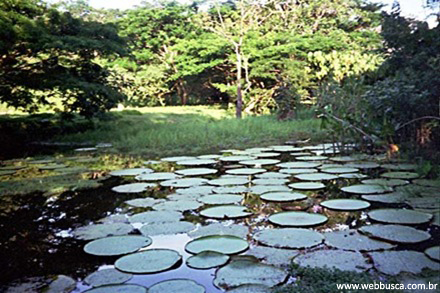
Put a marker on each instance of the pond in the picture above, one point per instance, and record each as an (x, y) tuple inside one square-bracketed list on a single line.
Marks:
[(214, 222)]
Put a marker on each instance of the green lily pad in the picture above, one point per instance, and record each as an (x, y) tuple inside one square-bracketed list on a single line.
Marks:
[(92, 232), (220, 229), (427, 203), (143, 202), (259, 162), (311, 158), (266, 155), (177, 285), (297, 171), (12, 168), (243, 272), (38, 162), (250, 288), (427, 182), (294, 238), (125, 288), (307, 185), (245, 171), (400, 175), (270, 181), (261, 189), (433, 252), (195, 190), (329, 166), (344, 159), (156, 217), (52, 167), (226, 212), (235, 158), (399, 216), (283, 196), (196, 162), (340, 170), (229, 181), (170, 228), (209, 157), (178, 158), (353, 176), (185, 182), (117, 245), (133, 187), (196, 171), (366, 189), (395, 233), (272, 175), (363, 165), (352, 240), (158, 176), (297, 219), (207, 260), (315, 176), (388, 198), (273, 256), (284, 148), (385, 182), (258, 150), (225, 244), (7, 172), (148, 261), (61, 284), (230, 189), (177, 205), (107, 277), (399, 167), (345, 204), (396, 262), (221, 199), (298, 165), (338, 259), (131, 172), (300, 154)]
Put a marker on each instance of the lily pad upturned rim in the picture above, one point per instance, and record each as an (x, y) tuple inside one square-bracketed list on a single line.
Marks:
[(292, 238), (283, 196), (399, 216), (196, 171), (313, 219), (433, 252), (345, 204), (131, 288), (207, 260), (117, 245), (307, 185), (366, 189), (146, 262), (170, 286), (226, 212), (234, 244), (395, 233), (109, 276)]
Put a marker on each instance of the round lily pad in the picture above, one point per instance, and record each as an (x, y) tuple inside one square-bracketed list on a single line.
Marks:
[(226, 212), (258, 150), (270, 181), (338, 259), (221, 199), (185, 182), (362, 165), (395, 233), (283, 196), (259, 162), (307, 185), (159, 176), (156, 217), (107, 277), (399, 167), (167, 228), (52, 167), (400, 175), (196, 162), (273, 256), (131, 172), (345, 204), (294, 238), (133, 187), (177, 205), (196, 171), (427, 182), (117, 245), (311, 158), (125, 288), (395, 262), (143, 202), (102, 230), (245, 171), (207, 260), (230, 189), (367, 189), (297, 171), (354, 241), (284, 148), (385, 198), (200, 189), (399, 216), (235, 158), (176, 159), (261, 189), (340, 170), (148, 261), (297, 219), (353, 176), (229, 181), (210, 157), (266, 155), (298, 165), (177, 285), (225, 244), (250, 288), (344, 159), (433, 252), (220, 229), (300, 154), (315, 176), (243, 272), (272, 175)]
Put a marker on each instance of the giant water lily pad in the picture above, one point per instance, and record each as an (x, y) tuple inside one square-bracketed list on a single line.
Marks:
[(345, 159), (352, 240), (226, 212), (270, 181), (259, 162), (61, 284), (385, 182), (177, 205), (353, 176), (427, 203), (42, 161), (400, 167), (283, 196), (298, 165), (229, 181), (338, 259), (131, 172), (220, 229), (261, 189), (273, 256), (176, 286), (225, 244), (346, 204), (52, 167), (433, 252), (399, 216), (236, 158), (200, 189), (294, 238), (241, 272), (196, 171), (196, 162), (297, 219), (272, 175), (400, 175), (315, 176), (284, 148), (427, 182), (395, 233), (133, 187), (388, 198), (148, 261), (362, 165), (156, 217), (231, 189), (125, 288), (340, 170), (307, 185), (186, 182), (395, 262), (107, 277), (245, 171), (167, 228), (221, 199), (311, 158), (178, 158), (207, 260), (117, 245), (143, 202), (159, 176), (297, 171), (266, 155), (211, 157), (366, 189), (250, 288), (102, 230)]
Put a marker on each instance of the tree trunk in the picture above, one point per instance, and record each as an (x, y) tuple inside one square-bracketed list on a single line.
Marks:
[(239, 107), (183, 93)]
